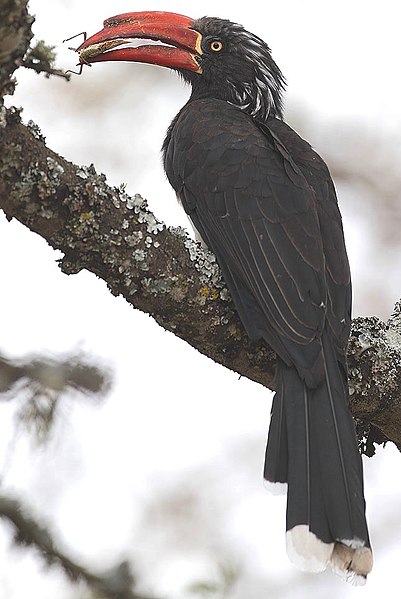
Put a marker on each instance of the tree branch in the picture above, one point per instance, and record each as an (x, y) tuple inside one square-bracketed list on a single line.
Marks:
[(116, 584), (158, 270), (41, 382), (162, 272), (74, 372), (15, 35)]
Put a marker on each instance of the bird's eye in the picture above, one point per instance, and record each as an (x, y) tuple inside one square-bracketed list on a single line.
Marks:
[(216, 45)]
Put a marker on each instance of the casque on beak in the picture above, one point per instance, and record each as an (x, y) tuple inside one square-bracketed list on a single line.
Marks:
[(183, 43)]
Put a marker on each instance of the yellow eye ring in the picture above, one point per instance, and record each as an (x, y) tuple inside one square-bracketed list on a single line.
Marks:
[(216, 45)]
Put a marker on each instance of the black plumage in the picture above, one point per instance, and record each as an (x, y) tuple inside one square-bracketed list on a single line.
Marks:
[(264, 202)]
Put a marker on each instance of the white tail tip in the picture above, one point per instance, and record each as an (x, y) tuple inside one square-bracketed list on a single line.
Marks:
[(275, 488), (306, 551), (350, 560)]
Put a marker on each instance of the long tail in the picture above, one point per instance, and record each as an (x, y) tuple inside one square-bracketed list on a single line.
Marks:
[(312, 448)]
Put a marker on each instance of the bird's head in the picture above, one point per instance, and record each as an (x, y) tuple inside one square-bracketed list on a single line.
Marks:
[(218, 58)]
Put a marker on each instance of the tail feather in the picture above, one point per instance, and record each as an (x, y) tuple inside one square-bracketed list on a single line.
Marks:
[(312, 446), (276, 468)]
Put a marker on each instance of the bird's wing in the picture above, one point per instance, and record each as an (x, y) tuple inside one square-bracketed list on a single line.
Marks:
[(338, 275), (256, 211)]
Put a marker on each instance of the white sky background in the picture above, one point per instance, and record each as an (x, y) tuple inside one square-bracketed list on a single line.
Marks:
[(189, 419)]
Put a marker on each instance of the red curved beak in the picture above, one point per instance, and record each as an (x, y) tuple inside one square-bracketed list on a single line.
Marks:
[(183, 43)]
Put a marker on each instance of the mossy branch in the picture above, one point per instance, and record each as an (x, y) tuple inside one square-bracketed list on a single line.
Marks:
[(162, 272)]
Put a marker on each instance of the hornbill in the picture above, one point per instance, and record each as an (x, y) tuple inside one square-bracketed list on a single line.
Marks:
[(263, 201)]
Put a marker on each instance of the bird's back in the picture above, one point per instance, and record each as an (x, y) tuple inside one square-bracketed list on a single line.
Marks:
[(276, 193)]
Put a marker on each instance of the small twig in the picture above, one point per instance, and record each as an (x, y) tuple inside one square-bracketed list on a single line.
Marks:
[(40, 67)]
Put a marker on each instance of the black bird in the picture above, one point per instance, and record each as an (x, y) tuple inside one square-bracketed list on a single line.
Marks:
[(264, 202)]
